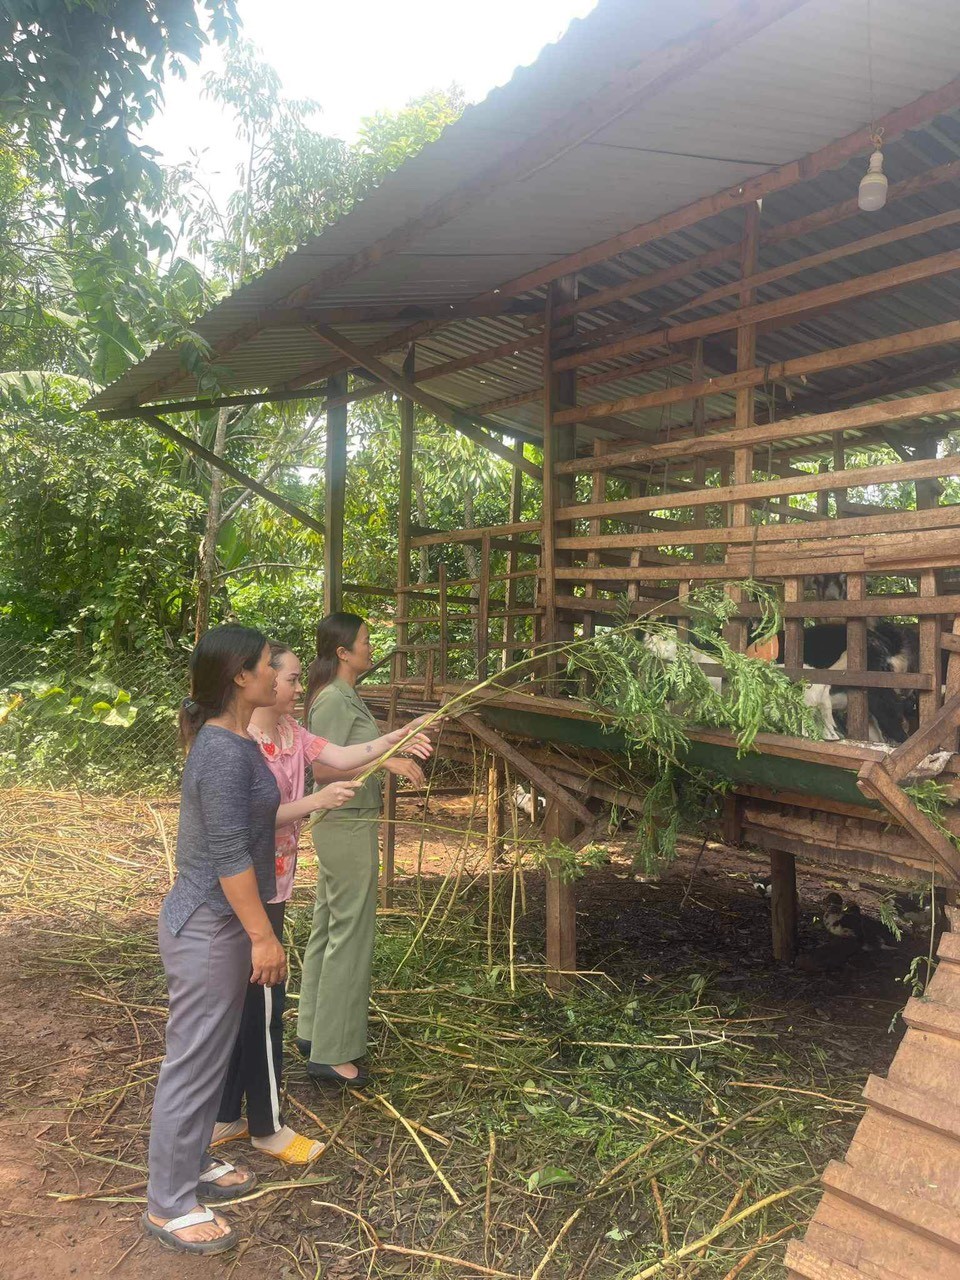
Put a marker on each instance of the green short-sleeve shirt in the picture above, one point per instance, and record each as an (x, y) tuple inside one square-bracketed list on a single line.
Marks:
[(340, 715)]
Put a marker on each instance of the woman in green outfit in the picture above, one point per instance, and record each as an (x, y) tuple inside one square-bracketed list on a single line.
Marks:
[(335, 986)]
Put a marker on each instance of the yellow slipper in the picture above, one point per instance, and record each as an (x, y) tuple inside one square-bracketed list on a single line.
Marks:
[(299, 1150)]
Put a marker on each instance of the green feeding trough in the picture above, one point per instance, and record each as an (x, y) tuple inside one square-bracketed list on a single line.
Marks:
[(766, 769)]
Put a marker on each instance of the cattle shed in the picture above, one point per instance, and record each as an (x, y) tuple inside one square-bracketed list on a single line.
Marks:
[(640, 274)]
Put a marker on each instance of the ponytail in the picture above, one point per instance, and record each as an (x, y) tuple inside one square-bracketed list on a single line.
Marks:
[(335, 631)]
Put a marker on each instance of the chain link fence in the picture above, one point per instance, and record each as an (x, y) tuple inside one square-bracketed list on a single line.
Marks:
[(72, 723)]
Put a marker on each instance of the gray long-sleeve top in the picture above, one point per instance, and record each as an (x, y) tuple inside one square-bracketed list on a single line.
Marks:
[(228, 811)]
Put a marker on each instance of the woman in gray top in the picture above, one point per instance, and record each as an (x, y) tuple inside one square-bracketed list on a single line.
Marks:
[(212, 926), (215, 933)]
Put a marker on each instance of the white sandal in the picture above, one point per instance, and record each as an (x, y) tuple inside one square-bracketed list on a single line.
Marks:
[(166, 1234), (209, 1193)]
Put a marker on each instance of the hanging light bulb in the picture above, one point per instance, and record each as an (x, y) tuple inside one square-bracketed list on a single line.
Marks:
[(873, 185)]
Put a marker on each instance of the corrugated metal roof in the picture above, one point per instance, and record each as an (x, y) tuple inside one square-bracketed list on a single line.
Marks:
[(790, 89)]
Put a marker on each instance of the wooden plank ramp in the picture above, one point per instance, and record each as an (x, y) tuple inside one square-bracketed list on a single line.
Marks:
[(891, 1209)]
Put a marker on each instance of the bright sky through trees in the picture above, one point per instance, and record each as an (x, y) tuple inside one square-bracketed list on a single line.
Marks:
[(358, 58)]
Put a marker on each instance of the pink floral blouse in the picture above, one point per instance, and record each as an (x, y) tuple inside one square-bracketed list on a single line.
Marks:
[(288, 763)]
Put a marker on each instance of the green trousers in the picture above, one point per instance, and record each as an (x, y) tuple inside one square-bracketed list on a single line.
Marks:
[(335, 988)]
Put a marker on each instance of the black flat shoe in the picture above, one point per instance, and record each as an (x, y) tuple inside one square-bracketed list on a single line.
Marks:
[(303, 1047), (320, 1073)]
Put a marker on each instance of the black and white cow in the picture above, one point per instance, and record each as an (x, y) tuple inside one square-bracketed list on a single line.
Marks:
[(890, 647)]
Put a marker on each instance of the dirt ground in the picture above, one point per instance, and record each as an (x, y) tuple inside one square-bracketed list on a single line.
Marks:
[(629, 928)]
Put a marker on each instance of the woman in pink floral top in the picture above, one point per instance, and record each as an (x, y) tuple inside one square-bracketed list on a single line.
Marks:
[(256, 1065)]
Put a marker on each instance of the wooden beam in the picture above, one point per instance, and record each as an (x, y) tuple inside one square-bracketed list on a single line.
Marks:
[(514, 346), (247, 399), (457, 419), (832, 156), (445, 536), (824, 610), (741, 567), (773, 235), (289, 316), (780, 309), (936, 735), (887, 474), (801, 366), (192, 446), (924, 226)]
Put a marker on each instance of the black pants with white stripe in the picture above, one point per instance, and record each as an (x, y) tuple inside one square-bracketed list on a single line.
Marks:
[(256, 1064)]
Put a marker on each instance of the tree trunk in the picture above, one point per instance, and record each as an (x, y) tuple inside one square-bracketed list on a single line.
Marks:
[(207, 569)]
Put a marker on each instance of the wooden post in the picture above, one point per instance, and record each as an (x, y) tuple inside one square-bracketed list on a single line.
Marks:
[(839, 464), (793, 627), (408, 412), (387, 868), (559, 444), (783, 905), (930, 632), (598, 493), (823, 497), (561, 903), (335, 487), (444, 637), (399, 665), (700, 463), (732, 819), (483, 610), (513, 564), (858, 712), (495, 828), (746, 358), (927, 498)]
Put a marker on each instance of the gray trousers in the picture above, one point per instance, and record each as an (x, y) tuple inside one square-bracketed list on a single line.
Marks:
[(208, 968)]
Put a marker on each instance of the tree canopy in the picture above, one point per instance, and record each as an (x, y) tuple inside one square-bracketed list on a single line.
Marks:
[(101, 523)]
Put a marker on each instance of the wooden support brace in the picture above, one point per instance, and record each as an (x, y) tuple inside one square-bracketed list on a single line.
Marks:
[(206, 455), (874, 781), (526, 768)]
